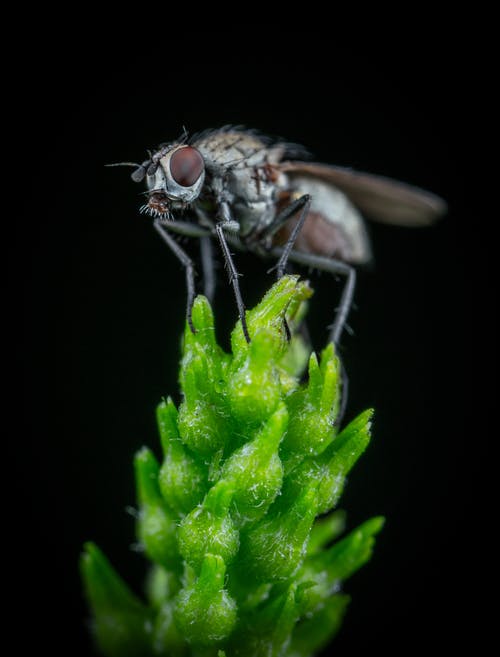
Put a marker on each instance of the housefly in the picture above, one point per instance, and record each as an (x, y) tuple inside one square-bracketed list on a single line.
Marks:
[(262, 195)]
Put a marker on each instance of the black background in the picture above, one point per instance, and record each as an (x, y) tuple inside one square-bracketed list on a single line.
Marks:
[(105, 304)]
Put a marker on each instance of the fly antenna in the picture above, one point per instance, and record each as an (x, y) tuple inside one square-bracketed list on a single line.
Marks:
[(123, 164), (140, 169)]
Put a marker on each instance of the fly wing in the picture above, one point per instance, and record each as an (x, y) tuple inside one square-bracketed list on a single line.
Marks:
[(380, 198)]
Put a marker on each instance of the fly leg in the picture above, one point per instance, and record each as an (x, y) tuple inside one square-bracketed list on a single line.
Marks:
[(194, 230), (311, 260), (333, 267), (162, 229), (205, 228), (233, 275), (344, 396), (207, 264), (303, 203)]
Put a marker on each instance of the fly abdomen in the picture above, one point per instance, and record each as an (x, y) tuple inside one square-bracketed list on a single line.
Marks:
[(334, 227)]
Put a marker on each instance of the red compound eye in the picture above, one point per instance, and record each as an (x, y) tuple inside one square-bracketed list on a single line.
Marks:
[(186, 166)]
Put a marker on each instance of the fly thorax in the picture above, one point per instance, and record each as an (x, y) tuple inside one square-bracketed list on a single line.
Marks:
[(255, 190)]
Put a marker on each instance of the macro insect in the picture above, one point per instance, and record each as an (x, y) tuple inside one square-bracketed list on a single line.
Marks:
[(256, 194)]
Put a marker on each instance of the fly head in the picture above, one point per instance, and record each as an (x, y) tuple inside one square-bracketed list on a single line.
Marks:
[(174, 177)]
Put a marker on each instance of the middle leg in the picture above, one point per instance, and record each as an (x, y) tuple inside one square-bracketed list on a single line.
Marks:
[(303, 203), (332, 266)]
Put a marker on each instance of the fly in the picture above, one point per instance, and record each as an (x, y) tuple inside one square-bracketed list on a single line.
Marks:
[(256, 194)]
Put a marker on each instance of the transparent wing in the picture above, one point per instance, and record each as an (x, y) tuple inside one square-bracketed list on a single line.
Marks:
[(379, 198)]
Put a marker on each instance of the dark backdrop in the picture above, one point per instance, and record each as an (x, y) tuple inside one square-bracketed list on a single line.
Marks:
[(105, 310)]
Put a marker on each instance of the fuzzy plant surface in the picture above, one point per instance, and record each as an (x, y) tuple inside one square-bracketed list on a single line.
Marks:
[(236, 517)]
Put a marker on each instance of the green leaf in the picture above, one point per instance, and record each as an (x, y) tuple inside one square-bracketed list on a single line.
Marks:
[(270, 313), (331, 467), (273, 549), (201, 414), (182, 478), (267, 631), (255, 470), (205, 613), (329, 568), (122, 623), (319, 628), (348, 555), (167, 638), (253, 385), (156, 527), (340, 457), (209, 528), (313, 408), (325, 530), (161, 585), (203, 343)]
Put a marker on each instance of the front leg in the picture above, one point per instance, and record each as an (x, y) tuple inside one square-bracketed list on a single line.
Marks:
[(233, 277), (161, 229)]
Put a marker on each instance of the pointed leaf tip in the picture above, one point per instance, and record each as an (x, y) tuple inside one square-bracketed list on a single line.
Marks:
[(319, 627), (205, 612), (122, 623), (203, 318)]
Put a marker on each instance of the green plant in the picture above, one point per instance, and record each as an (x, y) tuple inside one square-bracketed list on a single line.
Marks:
[(234, 519)]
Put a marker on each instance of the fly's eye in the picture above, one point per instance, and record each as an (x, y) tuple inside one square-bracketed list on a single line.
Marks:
[(186, 166)]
